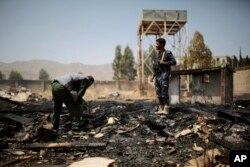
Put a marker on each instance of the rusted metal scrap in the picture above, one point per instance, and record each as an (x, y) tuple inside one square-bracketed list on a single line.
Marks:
[(57, 145)]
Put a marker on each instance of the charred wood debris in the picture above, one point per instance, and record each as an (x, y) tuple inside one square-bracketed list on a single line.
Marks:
[(124, 130)]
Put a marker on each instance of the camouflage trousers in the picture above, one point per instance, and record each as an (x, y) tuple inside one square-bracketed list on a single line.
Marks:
[(161, 87)]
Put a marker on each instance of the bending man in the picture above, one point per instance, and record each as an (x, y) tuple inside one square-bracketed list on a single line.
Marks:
[(69, 89)]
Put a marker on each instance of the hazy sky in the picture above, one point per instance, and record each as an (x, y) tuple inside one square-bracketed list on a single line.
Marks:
[(87, 31)]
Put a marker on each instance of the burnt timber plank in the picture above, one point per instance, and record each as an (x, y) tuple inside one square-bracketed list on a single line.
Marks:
[(234, 117), (229, 145), (16, 119), (78, 145)]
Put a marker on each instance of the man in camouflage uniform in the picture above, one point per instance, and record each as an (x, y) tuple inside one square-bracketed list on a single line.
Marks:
[(162, 71), (69, 89)]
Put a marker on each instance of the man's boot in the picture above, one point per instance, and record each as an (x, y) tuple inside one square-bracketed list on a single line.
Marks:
[(160, 109), (165, 110)]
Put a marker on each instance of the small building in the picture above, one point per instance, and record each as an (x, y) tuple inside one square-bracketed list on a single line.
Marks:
[(220, 60), (208, 86)]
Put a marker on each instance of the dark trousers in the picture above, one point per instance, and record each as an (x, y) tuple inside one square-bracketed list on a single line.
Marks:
[(62, 95), (161, 87)]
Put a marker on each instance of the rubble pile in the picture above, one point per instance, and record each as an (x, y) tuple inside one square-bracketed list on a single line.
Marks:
[(21, 94), (121, 133), (242, 104)]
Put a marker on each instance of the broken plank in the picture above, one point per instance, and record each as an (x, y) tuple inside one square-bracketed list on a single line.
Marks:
[(236, 118), (128, 129), (17, 119), (229, 145), (16, 160), (58, 145), (43, 107)]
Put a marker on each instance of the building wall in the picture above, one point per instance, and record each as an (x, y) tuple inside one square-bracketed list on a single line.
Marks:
[(208, 93), (242, 83), (34, 85), (5, 84), (241, 87), (229, 87), (174, 89), (39, 85), (114, 85), (219, 60)]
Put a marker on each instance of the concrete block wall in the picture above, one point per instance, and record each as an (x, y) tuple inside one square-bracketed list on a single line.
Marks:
[(115, 85), (208, 93), (39, 85), (242, 82), (174, 89), (33, 85), (241, 86)]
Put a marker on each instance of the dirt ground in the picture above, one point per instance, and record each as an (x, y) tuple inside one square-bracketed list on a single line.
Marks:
[(122, 127)]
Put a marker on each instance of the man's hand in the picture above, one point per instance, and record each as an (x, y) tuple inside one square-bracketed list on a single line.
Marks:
[(152, 79), (162, 62)]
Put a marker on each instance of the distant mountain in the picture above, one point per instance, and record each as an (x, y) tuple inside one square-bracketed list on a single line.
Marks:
[(30, 69)]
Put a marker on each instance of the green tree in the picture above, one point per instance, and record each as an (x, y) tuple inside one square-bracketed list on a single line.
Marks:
[(15, 75), (241, 60), (43, 75), (116, 63), (2, 76), (247, 61), (199, 54), (230, 61), (235, 62), (127, 65), (185, 62)]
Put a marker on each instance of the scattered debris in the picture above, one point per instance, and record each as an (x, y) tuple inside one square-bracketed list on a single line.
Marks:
[(4, 99), (99, 135), (15, 152), (183, 133), (16, 119), (20, 94), (112, 120), (76, 145), (114, 94), (171, 150), (197, 148), (127, 131), (208, 159), (94, 162), (242, 104), (45, 133), (16, 160)]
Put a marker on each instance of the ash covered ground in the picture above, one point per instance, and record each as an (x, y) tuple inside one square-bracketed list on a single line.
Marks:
[(124, 130)]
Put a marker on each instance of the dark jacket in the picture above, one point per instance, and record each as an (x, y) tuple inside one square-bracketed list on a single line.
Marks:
[(167, 57)]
